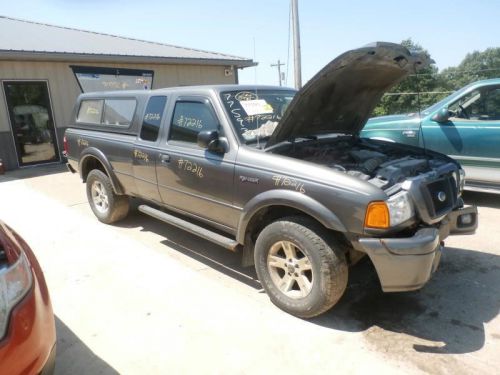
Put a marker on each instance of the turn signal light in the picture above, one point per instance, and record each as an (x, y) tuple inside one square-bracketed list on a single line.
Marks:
[(377, 216)]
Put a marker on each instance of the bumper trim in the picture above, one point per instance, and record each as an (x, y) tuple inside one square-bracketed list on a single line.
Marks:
[(404, 264), (70, 168), (424, 241)]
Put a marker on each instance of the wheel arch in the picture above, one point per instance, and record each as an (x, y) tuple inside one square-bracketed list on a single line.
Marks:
[(289, 202), (93, 158)]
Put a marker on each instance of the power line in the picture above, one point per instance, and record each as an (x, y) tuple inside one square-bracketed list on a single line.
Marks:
[(456, 72), (416, 93)]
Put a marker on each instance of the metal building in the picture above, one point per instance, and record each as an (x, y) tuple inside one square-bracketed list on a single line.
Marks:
[(43, 68)]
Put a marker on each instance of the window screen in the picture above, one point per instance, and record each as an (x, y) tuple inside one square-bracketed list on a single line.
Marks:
[(189, 119), (119, 111), (90, 111), (152, 118)]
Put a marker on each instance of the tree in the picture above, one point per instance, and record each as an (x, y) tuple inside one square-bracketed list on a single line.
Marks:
[(474, 67), (403, 97), (433, 86)]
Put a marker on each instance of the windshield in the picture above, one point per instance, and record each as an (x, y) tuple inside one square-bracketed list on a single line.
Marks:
[(256, 113)]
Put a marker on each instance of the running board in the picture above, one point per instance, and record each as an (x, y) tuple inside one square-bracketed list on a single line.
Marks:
[(216, 238)]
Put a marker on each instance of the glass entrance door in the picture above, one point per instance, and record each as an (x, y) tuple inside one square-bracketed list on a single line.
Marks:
[(31, 121)]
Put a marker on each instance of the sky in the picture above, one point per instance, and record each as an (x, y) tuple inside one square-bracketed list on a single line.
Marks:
[(259, 29)]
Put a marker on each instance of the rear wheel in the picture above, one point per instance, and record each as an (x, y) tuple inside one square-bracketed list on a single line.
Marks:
[(300, 266), (107, 206)]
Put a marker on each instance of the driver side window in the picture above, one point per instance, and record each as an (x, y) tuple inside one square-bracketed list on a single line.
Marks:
[(189, 119), (466, 106), (478, 105), (492, 104)]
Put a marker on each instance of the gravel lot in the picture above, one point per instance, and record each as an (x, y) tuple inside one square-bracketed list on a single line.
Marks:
[(142, 297)]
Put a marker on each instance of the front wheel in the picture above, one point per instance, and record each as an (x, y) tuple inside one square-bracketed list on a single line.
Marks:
[(300, 266), (107, 206)]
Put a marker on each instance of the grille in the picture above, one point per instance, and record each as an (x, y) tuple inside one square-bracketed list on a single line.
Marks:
[(441, 196)]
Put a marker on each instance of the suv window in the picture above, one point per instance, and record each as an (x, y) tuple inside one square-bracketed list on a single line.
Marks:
[(119, 111), (481, 104), (152, 118), (492, 104), (189, 119), (90, 111)]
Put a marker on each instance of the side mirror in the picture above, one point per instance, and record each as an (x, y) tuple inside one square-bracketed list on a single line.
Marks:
[(441, 116), (209, 139)]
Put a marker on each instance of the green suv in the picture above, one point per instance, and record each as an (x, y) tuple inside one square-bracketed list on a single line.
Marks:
[(464, 125)]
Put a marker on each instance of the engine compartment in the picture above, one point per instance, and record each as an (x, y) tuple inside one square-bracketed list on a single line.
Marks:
[(381, 164)]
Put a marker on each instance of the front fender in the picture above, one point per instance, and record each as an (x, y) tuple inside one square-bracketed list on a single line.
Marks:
[(92, 152), (291, 199)]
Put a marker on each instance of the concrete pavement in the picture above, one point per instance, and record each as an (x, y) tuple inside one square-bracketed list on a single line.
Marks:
[(142, 297)]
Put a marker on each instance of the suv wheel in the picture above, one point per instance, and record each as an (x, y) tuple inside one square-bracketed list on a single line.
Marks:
[(300, 266), (107, 206)]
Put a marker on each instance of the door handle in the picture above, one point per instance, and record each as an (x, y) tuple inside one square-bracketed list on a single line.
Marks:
[(164, 158)]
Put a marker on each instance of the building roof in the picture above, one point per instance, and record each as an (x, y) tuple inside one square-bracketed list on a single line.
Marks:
[(37, 41)]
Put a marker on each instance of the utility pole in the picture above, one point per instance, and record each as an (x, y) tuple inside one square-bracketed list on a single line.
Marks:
[(296, 45), (279, 65)]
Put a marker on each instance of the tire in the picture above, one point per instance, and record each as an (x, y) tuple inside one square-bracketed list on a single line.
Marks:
[(300, 266), (107, 206)]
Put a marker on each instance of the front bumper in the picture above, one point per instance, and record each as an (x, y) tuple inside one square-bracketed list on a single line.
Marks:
[(29, 344), (405, 264)]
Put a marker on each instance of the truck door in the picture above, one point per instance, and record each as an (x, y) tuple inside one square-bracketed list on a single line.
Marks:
[(190, 178), (146, 152)]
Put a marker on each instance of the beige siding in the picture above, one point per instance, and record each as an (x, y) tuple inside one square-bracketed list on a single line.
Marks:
[(64, 88)]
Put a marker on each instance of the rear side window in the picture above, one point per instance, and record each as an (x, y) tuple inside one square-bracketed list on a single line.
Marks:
[(152, 118), (115, 112), (90, 111), (119, 111), (189, 119)]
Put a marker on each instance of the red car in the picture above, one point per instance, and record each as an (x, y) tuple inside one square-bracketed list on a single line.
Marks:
[(27, 327)]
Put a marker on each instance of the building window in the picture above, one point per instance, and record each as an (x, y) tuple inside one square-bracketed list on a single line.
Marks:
[(93, 79), (33, 128)]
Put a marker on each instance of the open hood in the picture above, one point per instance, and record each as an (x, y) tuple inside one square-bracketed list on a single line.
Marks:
[(341, 97)]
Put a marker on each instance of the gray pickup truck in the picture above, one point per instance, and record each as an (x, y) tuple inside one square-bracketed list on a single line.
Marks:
[(279, 175)]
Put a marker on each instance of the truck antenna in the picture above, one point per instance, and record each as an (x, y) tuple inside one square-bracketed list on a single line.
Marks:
[(420, 129)]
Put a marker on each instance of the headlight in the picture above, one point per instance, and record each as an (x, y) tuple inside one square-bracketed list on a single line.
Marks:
[(400, 208), (15, 282), (459, 177), (396, 210), (461, 181)]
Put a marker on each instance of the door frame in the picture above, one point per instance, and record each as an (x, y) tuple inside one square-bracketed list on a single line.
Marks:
[(51, 107)]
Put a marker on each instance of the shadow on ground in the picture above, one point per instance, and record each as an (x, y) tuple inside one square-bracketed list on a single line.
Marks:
[(203, 251), (35, 171), (74, 357), (450, 310)]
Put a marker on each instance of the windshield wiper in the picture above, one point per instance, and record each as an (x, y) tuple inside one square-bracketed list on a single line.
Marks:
[(258, 140), (292, 140)]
